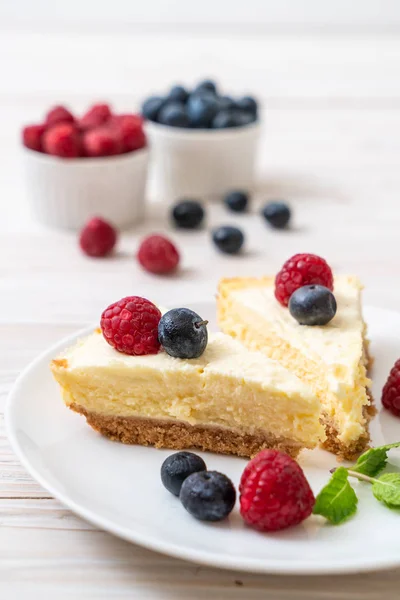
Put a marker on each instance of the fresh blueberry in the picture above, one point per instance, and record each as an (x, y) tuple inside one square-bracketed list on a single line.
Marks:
[(237, 201), (188, 214), (224, 119), (178, 93), (183, 333), (243, 117), (202, 109), (226, 103), (248, 104), (173, 114), (208, 495), (177, 467), (206, 86), (228, 239), (152, 106), (277, 214), (312, 305)]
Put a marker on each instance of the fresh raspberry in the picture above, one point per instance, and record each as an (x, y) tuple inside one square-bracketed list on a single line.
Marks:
[(129, 129), (97, 238), (59, 114), (274, 493), (301, 269), (158, 255), (62, 140), (32, 137), (135, 142), (131, 326), (97, 115), (101, 141), (391, 390)]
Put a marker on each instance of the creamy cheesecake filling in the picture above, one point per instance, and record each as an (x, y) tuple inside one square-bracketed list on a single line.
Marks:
[(329, 358), (226, 387)]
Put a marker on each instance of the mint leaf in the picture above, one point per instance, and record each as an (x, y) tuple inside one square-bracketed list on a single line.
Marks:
[(373, 460), (387, 489), (337, 500)]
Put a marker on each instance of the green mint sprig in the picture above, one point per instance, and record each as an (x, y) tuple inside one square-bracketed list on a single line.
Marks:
[(337, 500), (374, 460), (386, 489)]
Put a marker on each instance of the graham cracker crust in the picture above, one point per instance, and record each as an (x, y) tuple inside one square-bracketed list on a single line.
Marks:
[(352, 451), (179, 435)]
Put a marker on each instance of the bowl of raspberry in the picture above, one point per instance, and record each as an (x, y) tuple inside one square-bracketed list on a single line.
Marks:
[(79, 166), (202, 142)]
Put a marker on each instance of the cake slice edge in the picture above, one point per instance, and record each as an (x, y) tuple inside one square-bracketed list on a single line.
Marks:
[(290, 357)]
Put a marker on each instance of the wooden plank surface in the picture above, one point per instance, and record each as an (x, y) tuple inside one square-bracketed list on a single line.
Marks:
[(331, 146)]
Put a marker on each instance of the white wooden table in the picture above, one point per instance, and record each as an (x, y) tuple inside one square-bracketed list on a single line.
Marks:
[(331, 147)]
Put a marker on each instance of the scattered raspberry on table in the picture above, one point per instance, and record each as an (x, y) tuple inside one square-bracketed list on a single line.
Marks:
[(274, 492), (131, 326), (157, 254), (300, 270), (97, 238), (391, 390)]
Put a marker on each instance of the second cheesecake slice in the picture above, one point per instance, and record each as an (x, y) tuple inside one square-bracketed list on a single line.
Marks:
[(332, 359)]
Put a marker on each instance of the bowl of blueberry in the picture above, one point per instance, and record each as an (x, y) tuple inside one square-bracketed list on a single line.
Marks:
[(202, 142), (77, 166)]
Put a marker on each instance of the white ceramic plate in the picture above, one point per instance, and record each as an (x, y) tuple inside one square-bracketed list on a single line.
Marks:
[(118, 487)]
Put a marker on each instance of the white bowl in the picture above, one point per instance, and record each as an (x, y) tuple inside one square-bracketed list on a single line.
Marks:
[(201, 162), (65, 193)]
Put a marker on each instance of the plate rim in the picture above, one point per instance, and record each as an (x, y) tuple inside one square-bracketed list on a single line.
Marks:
[(270, 566)]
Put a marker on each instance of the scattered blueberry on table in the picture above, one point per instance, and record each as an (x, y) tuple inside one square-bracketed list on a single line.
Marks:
[(277, 214), (188, 214), (228, 239), (236, 201), (203, 107)]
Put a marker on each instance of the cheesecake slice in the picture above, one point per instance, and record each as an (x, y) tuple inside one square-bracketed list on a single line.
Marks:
[(332, 359), (230, 400)]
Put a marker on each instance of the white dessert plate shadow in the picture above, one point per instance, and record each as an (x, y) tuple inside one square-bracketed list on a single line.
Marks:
[(118, 488)]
